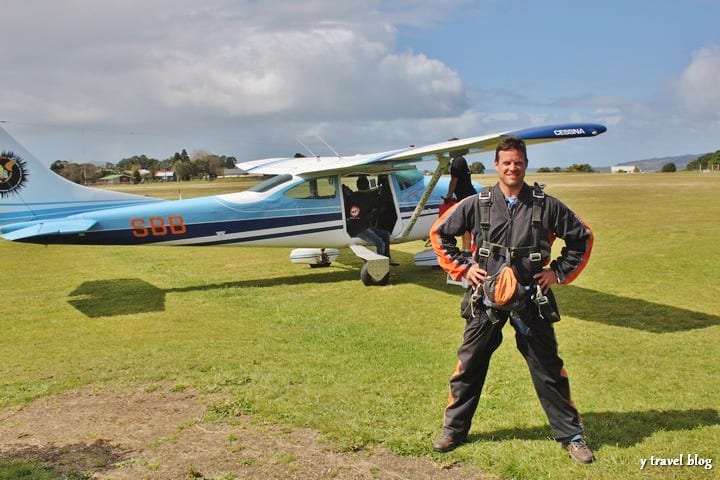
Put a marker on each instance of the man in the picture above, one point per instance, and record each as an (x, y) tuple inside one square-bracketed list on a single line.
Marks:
[(505, 235), (460, 186), (361, 209), (460, 177)]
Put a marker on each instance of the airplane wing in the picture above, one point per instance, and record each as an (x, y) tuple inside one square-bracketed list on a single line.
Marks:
[(313, 165), (401, 158), (472, 145)]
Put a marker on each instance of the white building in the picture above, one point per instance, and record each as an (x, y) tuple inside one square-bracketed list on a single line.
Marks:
[(624, 169)]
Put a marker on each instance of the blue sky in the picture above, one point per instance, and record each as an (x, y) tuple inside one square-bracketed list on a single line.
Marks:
[(100, 81)]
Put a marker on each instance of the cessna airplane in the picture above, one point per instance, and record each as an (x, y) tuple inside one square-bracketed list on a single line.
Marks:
[(300, 205)]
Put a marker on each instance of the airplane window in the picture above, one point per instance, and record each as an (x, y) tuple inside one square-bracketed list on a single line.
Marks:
[(270, 183), (408, 178), (323, 187)]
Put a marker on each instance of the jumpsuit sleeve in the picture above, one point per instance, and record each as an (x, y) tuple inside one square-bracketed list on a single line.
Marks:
[(578, 238), (457, 220)]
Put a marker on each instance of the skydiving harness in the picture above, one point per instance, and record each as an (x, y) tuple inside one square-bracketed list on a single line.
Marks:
[(501, 292)]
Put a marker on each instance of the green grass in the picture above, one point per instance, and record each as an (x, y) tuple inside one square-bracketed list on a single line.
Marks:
[(314, 348), (35, 471)]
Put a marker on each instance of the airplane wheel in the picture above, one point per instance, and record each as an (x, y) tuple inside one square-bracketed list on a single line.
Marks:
[(320, 265), (368, 281)]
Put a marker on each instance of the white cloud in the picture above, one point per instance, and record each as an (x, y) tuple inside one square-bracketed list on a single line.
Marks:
[(131, 61), (697, 88)]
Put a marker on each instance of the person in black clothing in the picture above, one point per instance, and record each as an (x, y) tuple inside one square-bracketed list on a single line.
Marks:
[(361, 209), (460, 186), (513, 226), (460, 178), (387, 217)]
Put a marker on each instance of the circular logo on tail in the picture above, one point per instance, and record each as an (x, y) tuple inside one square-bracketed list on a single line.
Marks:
[(13, 173)]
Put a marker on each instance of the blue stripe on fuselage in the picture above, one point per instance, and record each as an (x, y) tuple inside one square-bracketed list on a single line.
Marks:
[(256, 228)]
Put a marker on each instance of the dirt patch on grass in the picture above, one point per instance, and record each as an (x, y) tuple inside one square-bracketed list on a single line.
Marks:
[(160, 434)]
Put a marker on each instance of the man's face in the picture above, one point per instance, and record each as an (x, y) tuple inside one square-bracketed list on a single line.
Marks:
[(511, 165)]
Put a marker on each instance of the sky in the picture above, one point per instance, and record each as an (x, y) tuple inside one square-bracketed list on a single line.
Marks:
[(89, 81)]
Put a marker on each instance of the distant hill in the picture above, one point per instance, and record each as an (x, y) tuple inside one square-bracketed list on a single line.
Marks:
[(655, 164)]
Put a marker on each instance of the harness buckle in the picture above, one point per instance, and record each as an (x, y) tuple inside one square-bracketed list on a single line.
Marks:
[(535, 256), (538, 191), (483, 252)]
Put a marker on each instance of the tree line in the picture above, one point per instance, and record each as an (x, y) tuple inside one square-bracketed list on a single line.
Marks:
[(203, 165), (200, 165), (709, 161), (574, 168)]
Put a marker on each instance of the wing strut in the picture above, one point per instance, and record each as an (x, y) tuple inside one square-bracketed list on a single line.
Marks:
[(443, 162)]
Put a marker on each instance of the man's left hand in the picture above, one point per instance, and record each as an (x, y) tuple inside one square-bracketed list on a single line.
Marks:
[(546, 279)]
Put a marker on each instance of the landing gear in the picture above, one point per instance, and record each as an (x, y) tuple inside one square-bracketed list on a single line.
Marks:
[(323, 260), (315, 257)]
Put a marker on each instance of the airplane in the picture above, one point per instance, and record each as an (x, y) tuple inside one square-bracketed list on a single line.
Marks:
[(301, 205)]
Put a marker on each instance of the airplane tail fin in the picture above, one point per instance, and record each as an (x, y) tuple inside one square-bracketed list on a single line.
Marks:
[(31, 191)]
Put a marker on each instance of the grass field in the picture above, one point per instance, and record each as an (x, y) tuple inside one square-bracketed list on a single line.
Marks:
[(364, 366)]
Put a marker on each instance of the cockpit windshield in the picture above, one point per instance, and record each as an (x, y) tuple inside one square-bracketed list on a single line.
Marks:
[(270, 183), (408, 178)]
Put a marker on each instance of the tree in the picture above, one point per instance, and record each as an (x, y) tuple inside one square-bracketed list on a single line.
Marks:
[(580, 168), (136, 162), (229, 162), (184, 170), (705, 162), (714, 163), (82, 174), (669, 167), (477, 167), (215, 166), (58, 166)]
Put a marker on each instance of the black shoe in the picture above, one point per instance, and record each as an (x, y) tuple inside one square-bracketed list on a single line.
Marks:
[(447, 443), (579, 451)]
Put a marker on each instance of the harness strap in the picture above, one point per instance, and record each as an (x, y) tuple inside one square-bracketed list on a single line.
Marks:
[(482, 219), (536, 224), (509, 253)]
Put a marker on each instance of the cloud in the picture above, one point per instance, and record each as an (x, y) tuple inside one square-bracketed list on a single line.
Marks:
[(697, 88), (182, 61)]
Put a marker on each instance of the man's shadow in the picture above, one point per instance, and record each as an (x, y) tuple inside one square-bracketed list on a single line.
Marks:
[(623, 429), (593, 306)]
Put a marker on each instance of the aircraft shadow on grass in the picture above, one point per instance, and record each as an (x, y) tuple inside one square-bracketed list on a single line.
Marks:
[(107, 298), (622, 429), (127, 296)]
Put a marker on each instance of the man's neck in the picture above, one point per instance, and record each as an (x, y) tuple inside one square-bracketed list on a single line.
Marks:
[(510, 191)]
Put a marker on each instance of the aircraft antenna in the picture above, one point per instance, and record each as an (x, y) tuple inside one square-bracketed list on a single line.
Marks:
[(328, 145), (306, 147)]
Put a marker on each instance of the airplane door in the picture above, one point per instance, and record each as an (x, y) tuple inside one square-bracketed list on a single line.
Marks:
[(387, 207), (408, 188)]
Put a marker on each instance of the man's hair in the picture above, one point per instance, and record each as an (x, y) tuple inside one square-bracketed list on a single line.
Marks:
[(511, 143), (362, 183)]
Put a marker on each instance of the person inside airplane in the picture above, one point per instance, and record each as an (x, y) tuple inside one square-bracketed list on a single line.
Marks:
[(361, 211)]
